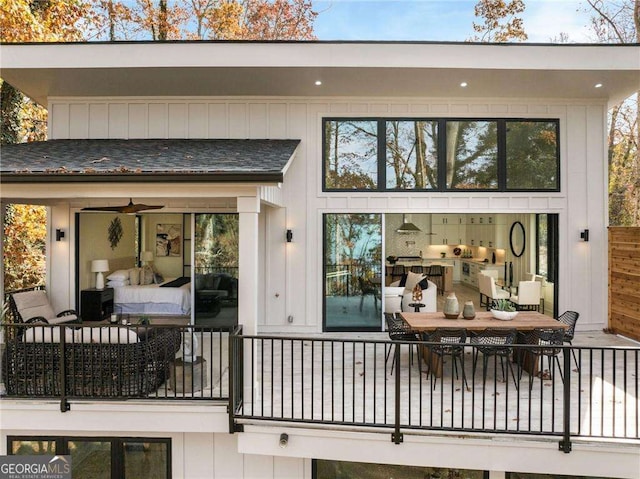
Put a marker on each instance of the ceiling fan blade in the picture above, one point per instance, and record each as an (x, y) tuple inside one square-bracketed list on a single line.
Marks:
[(142, 207), (117, 209), (130, 208)]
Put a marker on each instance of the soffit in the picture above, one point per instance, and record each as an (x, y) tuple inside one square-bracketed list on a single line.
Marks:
[(345, 69)]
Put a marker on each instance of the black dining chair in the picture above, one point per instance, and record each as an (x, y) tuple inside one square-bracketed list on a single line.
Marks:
[(548, 342), (570, 318), (399, 330), (449, 342), (496, 343)]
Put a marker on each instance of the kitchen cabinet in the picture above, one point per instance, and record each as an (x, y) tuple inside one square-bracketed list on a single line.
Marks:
[(485, 230), (448, 229)]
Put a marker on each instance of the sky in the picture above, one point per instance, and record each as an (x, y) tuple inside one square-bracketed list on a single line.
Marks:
[(440, 20)]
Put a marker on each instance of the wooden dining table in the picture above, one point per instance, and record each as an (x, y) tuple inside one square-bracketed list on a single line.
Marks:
[(524, 321)]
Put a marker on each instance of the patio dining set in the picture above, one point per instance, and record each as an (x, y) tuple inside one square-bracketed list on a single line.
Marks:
[(437, 337)]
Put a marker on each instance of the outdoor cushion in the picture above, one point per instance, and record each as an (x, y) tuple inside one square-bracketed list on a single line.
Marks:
[(106, 335), (43, 334), (32, 304), (35, 304)]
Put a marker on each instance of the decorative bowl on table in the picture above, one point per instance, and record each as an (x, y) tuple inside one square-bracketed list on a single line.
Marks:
[(503, 315), (451, 315)]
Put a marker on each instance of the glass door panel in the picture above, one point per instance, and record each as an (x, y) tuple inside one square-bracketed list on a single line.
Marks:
[(90, 459), (145, 460), (216, 269), (352, 272)]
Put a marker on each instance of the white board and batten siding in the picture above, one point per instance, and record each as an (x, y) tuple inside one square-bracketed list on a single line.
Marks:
[(294, 271)]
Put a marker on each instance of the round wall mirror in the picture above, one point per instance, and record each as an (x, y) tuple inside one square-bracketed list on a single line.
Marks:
[(517, 239)]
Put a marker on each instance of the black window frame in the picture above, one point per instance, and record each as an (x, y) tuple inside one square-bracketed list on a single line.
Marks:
[(381, 180), (117, 448)]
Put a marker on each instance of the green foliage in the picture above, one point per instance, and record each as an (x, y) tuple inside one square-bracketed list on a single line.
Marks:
[(503, 305)]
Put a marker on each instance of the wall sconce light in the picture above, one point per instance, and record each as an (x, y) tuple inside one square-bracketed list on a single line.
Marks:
[(289, 236), (584, 235), (284, 440), (59, 234)]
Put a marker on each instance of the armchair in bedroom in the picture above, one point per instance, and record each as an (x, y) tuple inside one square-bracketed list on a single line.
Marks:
[(398, 298)]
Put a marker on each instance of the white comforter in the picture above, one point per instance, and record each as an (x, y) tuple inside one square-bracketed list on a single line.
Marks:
[(153, 293)]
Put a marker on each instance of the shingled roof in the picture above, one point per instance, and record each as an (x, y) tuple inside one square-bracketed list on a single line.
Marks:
[(147, 160)]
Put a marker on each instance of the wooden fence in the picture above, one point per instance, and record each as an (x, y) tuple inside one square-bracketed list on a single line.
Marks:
[(624, 281)]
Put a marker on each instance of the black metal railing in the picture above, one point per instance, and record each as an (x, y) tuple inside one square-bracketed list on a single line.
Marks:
[(115, 361), (349, 382)]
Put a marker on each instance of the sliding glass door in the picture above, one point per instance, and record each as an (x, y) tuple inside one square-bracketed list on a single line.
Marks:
[(216, 269), (352, 272)]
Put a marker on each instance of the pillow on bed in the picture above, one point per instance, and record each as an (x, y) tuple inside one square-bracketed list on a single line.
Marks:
[(117, 284), (146, 275), (134, 276), (119, 275)]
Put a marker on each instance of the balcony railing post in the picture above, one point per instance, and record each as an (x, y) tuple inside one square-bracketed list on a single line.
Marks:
[(64, 404), (397, 437), (236, 373), (565, 444)]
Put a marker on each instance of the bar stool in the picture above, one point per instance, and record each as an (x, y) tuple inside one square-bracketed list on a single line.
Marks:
[(436, 273), (417, 269), (397, 272)]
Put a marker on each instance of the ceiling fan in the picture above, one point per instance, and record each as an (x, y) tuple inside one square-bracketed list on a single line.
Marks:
[(129, 209)]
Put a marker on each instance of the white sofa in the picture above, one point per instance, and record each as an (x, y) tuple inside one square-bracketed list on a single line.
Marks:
[(397, 298)]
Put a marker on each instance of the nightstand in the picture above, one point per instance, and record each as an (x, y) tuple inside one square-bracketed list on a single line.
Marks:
[(96, 304)]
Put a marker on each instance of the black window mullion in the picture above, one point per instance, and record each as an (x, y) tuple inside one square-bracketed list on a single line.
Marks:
[(502, 155), (382, 155), (117, 459), (442, 155)]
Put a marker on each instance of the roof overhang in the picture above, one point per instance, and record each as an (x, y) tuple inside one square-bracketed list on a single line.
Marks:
[(256, 161), (366, 69)]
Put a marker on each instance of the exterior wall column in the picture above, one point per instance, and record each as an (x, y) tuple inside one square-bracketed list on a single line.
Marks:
[(248, 271)]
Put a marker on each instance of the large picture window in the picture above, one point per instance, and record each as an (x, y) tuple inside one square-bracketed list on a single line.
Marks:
[(443, 154), (102, 457), (472, 155), (350, 154), (532, 154), (412, 154)]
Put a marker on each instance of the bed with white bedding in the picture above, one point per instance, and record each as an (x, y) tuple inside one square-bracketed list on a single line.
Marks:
[(134, 293), (153, 299)]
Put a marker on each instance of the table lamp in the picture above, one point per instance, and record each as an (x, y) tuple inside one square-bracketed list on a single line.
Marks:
[(146, 257), (99, 266)]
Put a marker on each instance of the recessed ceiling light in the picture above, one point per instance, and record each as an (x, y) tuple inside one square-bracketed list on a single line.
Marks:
[(464, 84), (598, 85), (318, 83)]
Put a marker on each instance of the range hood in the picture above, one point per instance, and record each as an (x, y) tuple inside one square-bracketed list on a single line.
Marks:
[(407, 226)]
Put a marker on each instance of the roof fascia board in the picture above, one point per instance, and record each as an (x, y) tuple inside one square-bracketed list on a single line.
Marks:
[(317, 55), (267, 179)]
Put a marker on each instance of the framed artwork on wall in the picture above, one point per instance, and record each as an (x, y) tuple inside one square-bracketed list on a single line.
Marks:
[(169, 240)]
